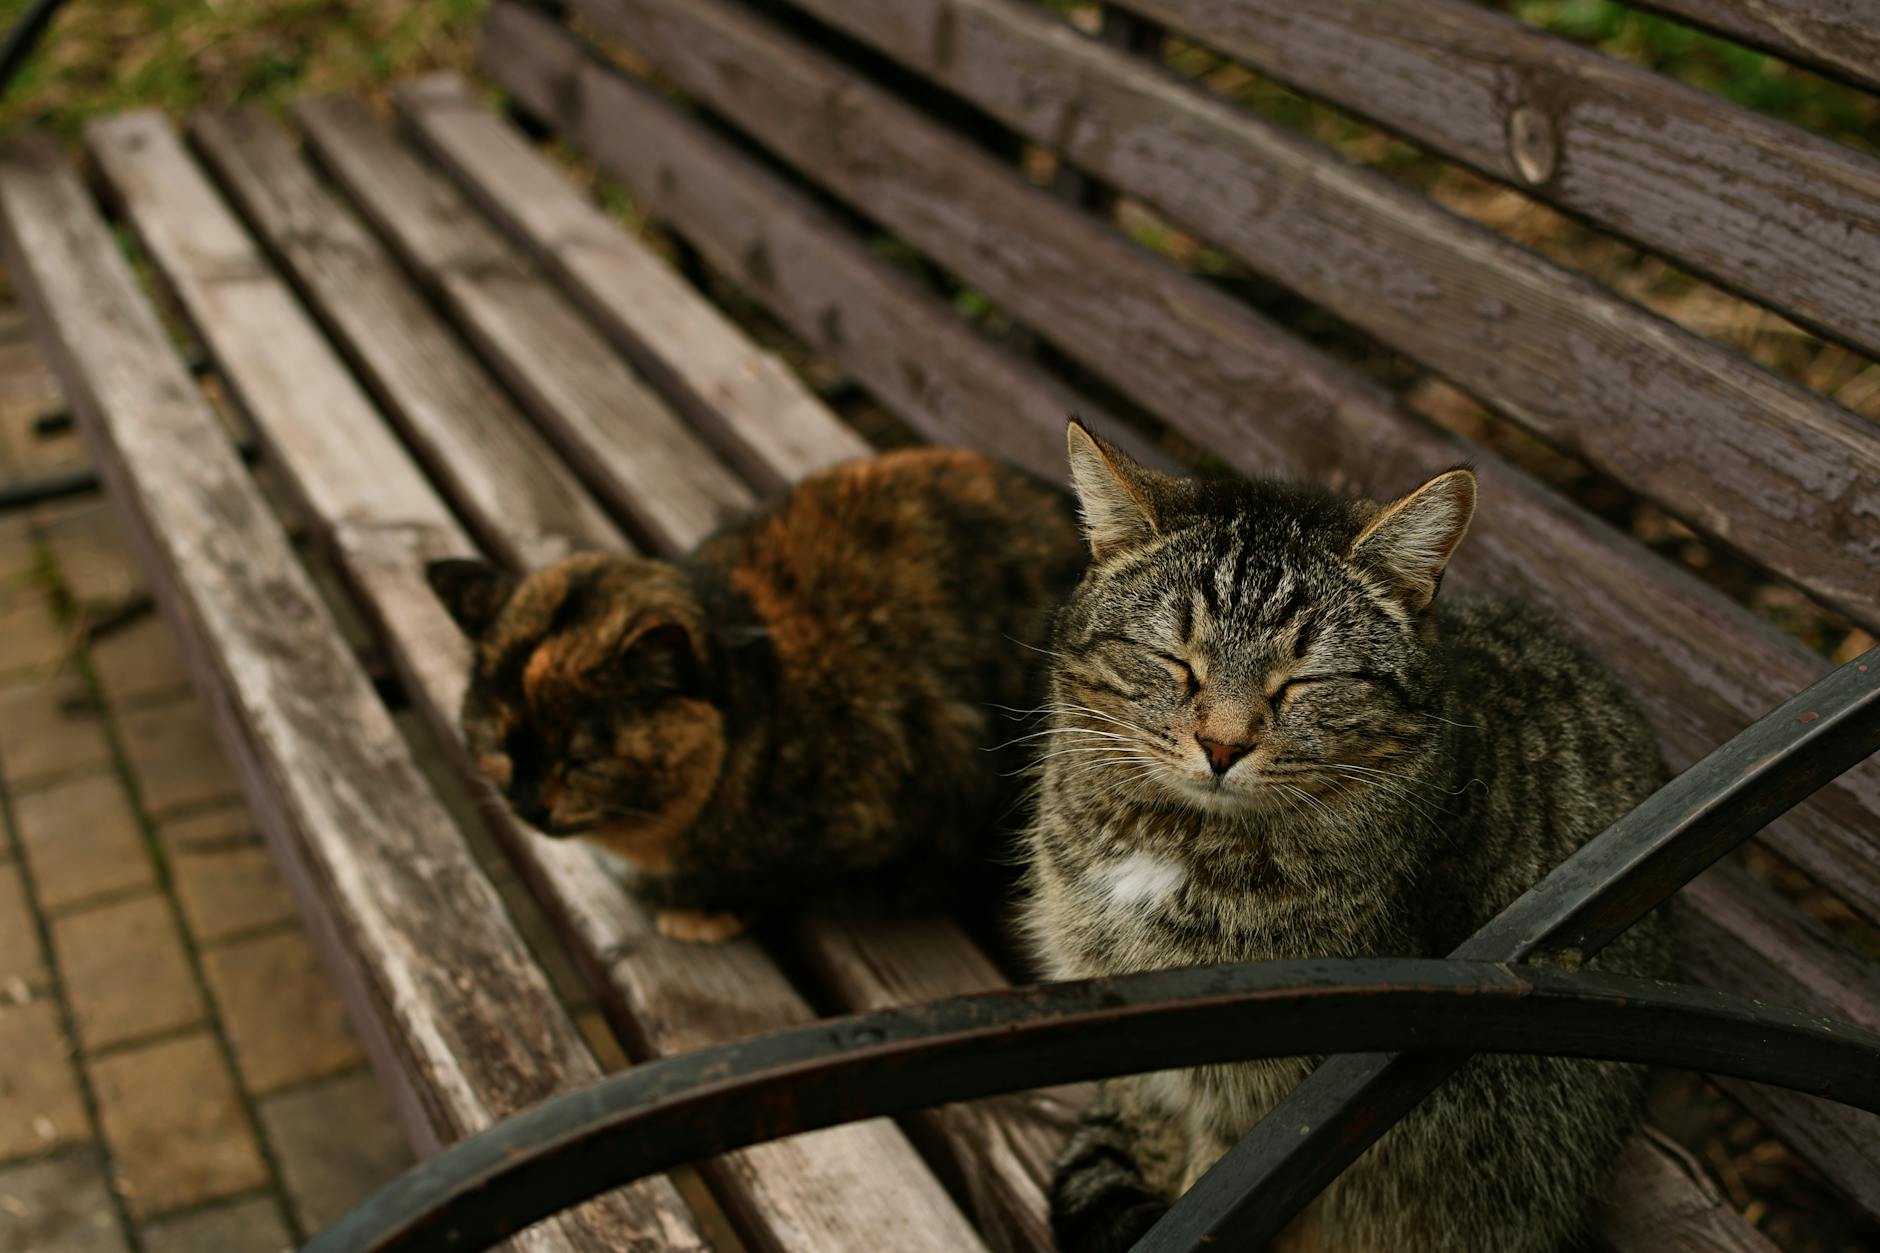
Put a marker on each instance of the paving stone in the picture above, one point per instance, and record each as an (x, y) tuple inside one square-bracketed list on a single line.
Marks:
[(224, 875), (81, 840), (175, 756), (337, 1142), (175, 1126), (283, 1016), (22, 965), (32, 639), (125, 972), (138, 662), (95, 565), (40, 1107), (58, 1205), (252, 1226), (27, 390), (48, 727)]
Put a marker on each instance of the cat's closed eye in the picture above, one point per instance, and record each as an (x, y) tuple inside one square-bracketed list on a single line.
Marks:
[(1293, 686), (1183, 672)]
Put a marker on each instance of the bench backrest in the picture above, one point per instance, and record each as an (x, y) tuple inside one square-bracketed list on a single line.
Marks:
[(990, 141)]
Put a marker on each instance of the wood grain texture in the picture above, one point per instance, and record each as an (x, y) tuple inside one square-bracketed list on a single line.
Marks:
[(658, 473), (1767, 466), (443, 400), (1690, 1213), (999, 1151), (948, 383), (837, 1190), (1840, 38), (1176, 348), (1224, 377), (1782, 216), (385, 878), (752, 408), (1727, 923)]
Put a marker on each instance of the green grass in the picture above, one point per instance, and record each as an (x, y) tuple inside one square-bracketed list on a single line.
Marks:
[(1764, 83), (105, 56)]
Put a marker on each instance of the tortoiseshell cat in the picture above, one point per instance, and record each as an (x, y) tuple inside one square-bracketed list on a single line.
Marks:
[(1273, 742), (804, 706)]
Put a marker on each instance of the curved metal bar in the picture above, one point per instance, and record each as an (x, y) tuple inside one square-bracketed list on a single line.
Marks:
[(672, 1111), (23, 38), (1618, 877)]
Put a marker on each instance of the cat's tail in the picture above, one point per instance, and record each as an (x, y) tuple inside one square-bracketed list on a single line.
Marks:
[(1099, 1200)]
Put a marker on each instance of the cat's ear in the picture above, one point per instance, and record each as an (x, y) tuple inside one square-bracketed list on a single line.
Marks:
[(677, 643), (1410, 540), (473, 591), (1114, 493)]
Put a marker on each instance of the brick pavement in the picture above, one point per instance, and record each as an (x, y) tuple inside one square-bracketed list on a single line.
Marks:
[(176, 1072)]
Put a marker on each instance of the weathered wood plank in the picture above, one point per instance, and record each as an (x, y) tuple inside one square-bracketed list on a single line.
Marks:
[(385, 878), (1662, 628), (1785, 217), (757, 413), (1001, 1150), (592, 404), (1729, 925), (1687, 1213), (429, 383), (1785, 476), (841, 1189), (948, 383), (1841, 38), (859, 1187), (1267, 404)]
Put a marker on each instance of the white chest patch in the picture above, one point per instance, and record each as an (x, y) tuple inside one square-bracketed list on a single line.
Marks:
[(1138, 881)]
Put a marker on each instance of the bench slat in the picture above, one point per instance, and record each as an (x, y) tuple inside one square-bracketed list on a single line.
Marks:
[(1840, 38), (1205, 364), (949, 384), (386, 882), (839, 1189), (446, 403), (1783, 216), (1727, 923), (592, 105), (1001, 1149), (677, 338), (1687, 1212), (1763, 463), (587, 399)]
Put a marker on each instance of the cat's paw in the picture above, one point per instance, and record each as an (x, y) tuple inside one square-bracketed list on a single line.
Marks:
[(692, 926)]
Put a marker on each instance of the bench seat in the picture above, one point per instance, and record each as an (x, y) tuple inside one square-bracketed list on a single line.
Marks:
[(442, 347)]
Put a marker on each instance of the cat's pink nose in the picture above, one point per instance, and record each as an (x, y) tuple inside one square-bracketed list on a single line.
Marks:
[(1222, 756)]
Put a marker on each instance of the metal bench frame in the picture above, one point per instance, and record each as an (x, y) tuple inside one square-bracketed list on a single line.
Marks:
[(673, 1111)]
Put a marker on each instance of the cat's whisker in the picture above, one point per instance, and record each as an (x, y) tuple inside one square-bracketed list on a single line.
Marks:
[(1404, 780), (1422, 806), (1085, 731), (1066, 707)]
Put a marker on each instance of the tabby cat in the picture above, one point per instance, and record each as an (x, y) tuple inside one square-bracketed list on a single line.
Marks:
[(1271, 741), (802, 708)]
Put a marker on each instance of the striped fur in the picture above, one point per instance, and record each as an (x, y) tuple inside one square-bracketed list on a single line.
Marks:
[(1272, 738)]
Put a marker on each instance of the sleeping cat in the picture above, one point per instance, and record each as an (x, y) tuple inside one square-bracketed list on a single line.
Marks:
[(1272, 742), (802, 708)]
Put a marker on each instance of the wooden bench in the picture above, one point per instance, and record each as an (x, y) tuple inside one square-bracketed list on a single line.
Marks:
[(442, 347)]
